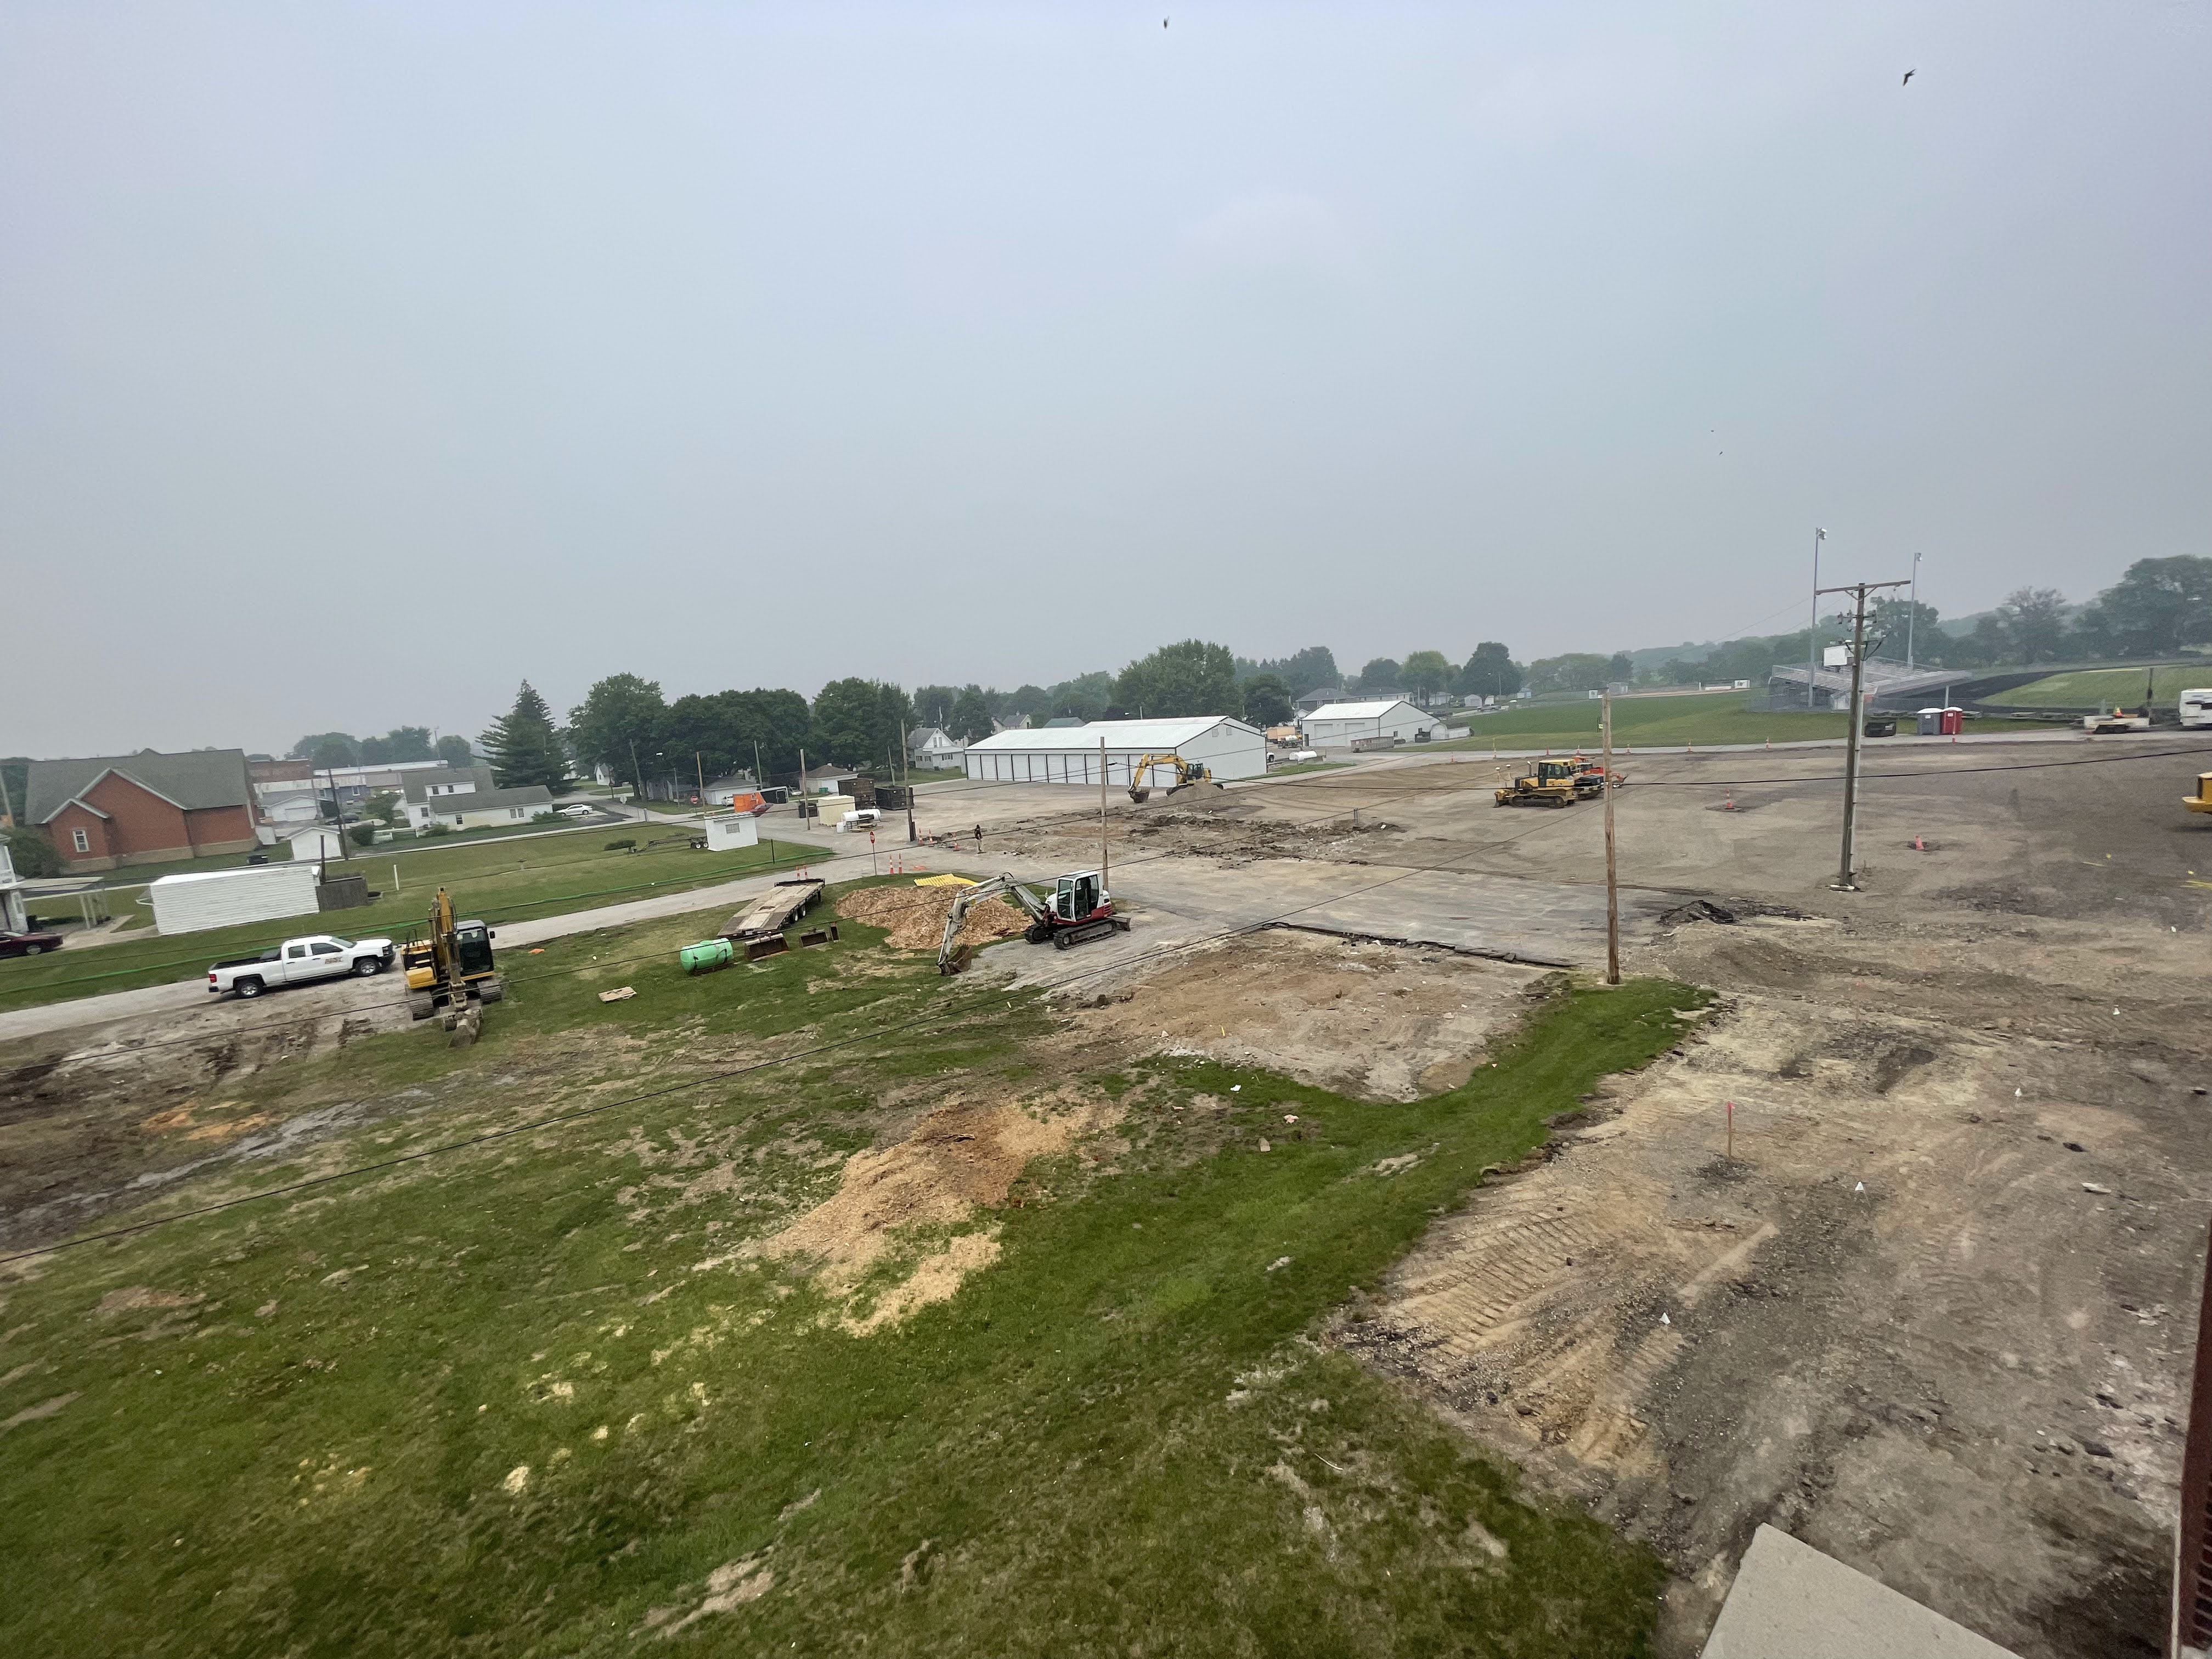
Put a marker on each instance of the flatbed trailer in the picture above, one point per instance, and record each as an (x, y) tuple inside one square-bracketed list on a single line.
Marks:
[(758, 928)]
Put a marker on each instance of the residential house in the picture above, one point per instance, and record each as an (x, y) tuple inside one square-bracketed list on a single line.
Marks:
[(464, 798), (1320, 696), (285, 790), (824, 780), (723, 791), (929, 746), (147, 808)]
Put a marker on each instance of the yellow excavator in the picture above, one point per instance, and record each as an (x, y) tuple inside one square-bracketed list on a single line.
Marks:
[(1189, 775), (451, 971)]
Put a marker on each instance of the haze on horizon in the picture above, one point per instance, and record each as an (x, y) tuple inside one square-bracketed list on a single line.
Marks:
[(361, 362)]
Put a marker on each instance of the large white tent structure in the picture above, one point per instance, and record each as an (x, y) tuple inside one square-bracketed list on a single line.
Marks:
[(1072, 754)]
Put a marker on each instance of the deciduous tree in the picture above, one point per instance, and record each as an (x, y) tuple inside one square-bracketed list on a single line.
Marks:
[(1190, 677)]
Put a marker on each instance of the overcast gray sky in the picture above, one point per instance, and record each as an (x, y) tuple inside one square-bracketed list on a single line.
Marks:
[(358, 361)]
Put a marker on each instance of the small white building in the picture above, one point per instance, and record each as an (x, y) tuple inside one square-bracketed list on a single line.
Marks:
[(1338, 724), (13, 919), (1072, 754), (727, 831), (224, 898), (313, 846)]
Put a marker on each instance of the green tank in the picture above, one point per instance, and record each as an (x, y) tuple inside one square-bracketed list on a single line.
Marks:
[(706, 956)]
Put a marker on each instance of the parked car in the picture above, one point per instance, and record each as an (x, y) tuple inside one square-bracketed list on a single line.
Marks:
[(28, 945), (317, 956), (578, 811)]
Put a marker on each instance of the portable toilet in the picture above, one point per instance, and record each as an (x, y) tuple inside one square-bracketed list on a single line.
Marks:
[(1953, 721)]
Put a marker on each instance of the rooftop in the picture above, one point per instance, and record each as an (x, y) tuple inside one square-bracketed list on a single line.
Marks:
[(1148, 735)]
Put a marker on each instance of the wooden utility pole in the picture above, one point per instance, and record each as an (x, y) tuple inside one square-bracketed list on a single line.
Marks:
[(699, 767), (906, 775), (1612, 887), (1848, 870)]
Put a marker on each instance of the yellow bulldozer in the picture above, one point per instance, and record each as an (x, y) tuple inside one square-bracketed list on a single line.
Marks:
[(1558, 783), (449, 972)]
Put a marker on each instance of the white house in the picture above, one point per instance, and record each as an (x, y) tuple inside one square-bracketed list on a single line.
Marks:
[(464, 798), (930, 747), (1337, 725), (1072, 754)]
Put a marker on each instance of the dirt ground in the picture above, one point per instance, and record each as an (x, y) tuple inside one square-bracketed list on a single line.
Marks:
[(1933, 1315), (1356, 1016)]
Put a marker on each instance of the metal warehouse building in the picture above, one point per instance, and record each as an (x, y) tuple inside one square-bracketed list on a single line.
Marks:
[(1071, 754), (1336, 724)]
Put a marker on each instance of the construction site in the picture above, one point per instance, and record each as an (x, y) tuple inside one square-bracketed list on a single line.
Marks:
[(1887, 1237)]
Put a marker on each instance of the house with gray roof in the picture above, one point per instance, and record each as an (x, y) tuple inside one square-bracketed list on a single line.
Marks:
[(103, 810), (465, 798)]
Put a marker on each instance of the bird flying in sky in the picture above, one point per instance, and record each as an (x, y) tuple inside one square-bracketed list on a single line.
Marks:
[(1907, 81)]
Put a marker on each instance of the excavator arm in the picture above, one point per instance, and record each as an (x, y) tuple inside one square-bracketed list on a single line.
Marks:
[(947, 960)]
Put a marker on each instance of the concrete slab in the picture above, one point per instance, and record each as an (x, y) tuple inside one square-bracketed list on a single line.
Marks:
[(1792, 1602)]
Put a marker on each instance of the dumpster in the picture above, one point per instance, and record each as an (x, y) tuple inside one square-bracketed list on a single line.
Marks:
[(706, 956), (1881, 725)]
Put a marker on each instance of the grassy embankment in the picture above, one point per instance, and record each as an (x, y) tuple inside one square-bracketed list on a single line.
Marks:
[(1710, 717), (2095, 688), (537, 1396), (492, 882)]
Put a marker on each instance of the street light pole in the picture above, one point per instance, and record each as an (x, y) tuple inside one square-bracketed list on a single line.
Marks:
[(1611, 888), (1912, 615), (1813, 634)]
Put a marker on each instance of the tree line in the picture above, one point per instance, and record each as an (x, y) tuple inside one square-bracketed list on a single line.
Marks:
[(401, 743), (2158, 608)]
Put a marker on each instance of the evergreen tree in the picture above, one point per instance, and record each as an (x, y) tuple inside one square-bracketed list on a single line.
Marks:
[(522, 745)]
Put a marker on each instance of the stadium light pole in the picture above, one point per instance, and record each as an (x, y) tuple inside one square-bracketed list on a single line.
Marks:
[(1813, 634)]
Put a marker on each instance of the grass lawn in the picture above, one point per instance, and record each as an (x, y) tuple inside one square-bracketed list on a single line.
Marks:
[(1713, 717), (548, 1395), (934, 775), (2090, 688), (492, 882)]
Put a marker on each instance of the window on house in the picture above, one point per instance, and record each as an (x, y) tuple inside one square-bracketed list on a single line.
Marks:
[(514, 811), (81, 840)]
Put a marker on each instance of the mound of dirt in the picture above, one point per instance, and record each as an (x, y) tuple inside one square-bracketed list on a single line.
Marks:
[(961, 1156), (915, 916)]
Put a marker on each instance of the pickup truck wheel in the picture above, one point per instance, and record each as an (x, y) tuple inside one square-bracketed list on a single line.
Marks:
[(367, 966), (248, 987)]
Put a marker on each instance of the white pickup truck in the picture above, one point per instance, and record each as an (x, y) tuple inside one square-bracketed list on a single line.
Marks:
[(319, 956)]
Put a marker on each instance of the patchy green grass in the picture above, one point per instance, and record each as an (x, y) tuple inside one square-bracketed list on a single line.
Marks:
[(1710, 717), (496, 884), (2088, 689), (535, 1397)]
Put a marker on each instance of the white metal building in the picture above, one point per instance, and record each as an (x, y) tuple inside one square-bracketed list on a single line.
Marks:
[(1336, 724), (1069, 754)]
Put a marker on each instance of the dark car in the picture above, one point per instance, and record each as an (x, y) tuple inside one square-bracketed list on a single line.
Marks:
[(28, 945)]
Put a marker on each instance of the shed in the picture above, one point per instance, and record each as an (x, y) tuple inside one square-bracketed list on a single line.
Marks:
[(1338, 725), (223, 898), (1229, 747), (726, 831), (313, 845)]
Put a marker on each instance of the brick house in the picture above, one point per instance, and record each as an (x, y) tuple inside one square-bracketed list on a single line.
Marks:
[(146, 808)]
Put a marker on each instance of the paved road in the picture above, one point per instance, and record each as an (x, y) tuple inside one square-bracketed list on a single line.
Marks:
[(181, 1000)]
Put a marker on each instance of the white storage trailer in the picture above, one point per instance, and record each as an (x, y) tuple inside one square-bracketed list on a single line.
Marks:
[(224, 898), (726, 832), (1069, 754)]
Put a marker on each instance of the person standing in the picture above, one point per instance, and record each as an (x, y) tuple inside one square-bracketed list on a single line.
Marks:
[(979, 838)]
